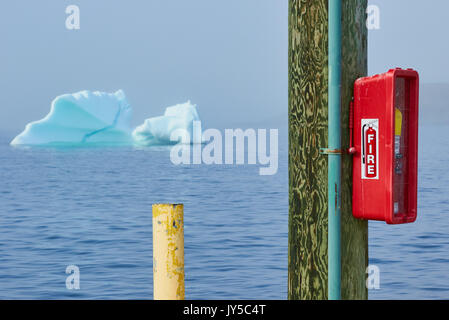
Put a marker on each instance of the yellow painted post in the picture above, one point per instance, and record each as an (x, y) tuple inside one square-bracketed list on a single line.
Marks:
[(168, 252)]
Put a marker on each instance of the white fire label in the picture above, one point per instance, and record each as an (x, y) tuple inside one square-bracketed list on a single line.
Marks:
[(370, 149)]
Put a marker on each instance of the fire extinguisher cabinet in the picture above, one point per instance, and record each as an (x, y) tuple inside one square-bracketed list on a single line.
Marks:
[(385, 164)]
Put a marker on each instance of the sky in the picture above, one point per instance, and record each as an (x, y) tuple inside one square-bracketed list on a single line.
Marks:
[(227, 56), (413, 33)]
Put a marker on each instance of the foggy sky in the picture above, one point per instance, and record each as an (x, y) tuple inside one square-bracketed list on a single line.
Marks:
[(228, 57)]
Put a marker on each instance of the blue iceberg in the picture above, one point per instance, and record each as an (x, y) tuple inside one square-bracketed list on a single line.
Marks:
[(99, 118), (158, 130), (82, 118)]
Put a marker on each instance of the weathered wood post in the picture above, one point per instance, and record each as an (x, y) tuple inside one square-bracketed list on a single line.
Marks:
[(168, 252), (308, 132)]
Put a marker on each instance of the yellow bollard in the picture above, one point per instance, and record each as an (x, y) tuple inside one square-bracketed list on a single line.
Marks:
[(168, 252)]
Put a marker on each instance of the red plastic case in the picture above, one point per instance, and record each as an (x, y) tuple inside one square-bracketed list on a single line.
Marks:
[(385, 164)]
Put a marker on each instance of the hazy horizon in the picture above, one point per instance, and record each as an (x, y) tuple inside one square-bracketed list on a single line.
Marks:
[(229, 58)]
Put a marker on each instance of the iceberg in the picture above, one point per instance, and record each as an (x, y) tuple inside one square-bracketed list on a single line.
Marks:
[(82, 118), (158, 130), (99, 118)]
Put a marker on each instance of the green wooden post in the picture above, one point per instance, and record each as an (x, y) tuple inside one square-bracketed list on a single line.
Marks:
[(308, 122)]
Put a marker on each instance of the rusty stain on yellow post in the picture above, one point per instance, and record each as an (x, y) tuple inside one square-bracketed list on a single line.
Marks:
[(168, 252)]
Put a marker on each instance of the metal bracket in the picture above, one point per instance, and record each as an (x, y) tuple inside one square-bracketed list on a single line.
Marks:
[(330, 151)]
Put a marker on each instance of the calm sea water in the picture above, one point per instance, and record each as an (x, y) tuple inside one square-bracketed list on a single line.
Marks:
[(91, 207), (414, 258)]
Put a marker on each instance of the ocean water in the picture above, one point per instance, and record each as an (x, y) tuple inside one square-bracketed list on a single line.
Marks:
[(91, 207), (414, 259)]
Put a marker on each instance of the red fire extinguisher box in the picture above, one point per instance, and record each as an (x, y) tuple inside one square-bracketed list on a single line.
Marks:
[(385, 163)]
